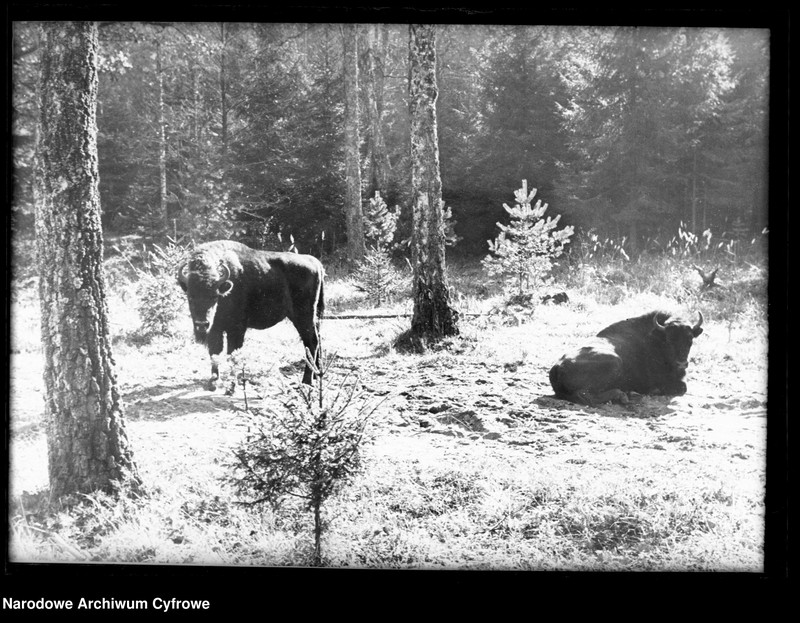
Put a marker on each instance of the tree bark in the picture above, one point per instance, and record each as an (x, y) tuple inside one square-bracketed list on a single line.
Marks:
[(380, 167), (354, 218), (87, 444), (196, 104), (223, 89), (380, 67), (433, 316), (162, 140), (694, 190)]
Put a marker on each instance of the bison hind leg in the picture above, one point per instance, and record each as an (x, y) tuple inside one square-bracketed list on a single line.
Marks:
[(312, 350), (589, 376)]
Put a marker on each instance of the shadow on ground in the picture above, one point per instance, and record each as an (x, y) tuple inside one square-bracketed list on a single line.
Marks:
[(163, 402), (645, 407)]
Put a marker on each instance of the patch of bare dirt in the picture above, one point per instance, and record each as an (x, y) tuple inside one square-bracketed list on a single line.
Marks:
[(474, 402), (429, 405)]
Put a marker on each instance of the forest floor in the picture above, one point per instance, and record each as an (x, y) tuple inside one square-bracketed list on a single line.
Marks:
[(472, 462)]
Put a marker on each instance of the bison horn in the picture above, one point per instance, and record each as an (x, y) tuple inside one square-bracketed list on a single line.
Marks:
[(225, 284), (183, 271), (224, 271), (699, 322), (658, 325)]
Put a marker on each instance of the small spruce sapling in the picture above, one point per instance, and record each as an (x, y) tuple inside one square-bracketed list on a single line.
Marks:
[(308, 450), (380, 223), (160, 301), (524, 250), (376, 274)]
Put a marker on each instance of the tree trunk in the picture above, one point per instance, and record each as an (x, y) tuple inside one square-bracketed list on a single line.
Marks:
[(380, 167), (162, 141), (433, 317), (223, 90), (380, 67), (704, 197), (196, 105), (87, 444), (354, 218), (694, 190)]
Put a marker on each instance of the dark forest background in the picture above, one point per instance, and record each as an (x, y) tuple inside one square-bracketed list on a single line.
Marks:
[(236, 130)]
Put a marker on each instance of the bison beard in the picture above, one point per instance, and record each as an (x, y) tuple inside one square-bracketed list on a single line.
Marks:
[(643, 355), (231, 288)]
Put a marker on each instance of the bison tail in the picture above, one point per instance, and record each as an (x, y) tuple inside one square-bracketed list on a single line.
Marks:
[(320, 302)]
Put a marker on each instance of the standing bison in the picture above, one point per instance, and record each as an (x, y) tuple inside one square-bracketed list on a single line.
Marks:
[(644, 355), (232, 288)]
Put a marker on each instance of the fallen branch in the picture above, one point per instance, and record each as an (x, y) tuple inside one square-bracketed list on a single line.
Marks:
[(707, 277), (383, 316), (364, 316)]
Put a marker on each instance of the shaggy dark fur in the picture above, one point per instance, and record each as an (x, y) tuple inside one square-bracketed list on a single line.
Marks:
[(643, 355), (232, 288)]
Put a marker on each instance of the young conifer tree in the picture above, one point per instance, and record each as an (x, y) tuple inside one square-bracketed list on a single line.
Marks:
[(524, 250), (376, 274), (308, 450), (380, 223)]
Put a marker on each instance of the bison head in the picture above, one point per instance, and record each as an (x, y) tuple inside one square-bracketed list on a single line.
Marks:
[(204, 283), (678, 336)]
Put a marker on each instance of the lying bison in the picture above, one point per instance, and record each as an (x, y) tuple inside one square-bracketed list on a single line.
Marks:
[(643, 355), (232, 288)]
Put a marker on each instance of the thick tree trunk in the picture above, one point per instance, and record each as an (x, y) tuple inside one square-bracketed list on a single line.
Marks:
[(88, 448), (433, 317), (354, 218)]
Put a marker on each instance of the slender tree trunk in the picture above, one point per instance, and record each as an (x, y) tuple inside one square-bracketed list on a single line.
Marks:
[(380, 66), (705, 207), (223, 90), (694, 190), (433, 317), (196, 105), (635, 190), (87, 444), (354, 218), (162, 140), (380, 167), (317, 536)]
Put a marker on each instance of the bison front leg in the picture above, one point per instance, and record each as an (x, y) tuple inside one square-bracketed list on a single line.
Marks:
[(676, 388), (214, 342), (235, 342)]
